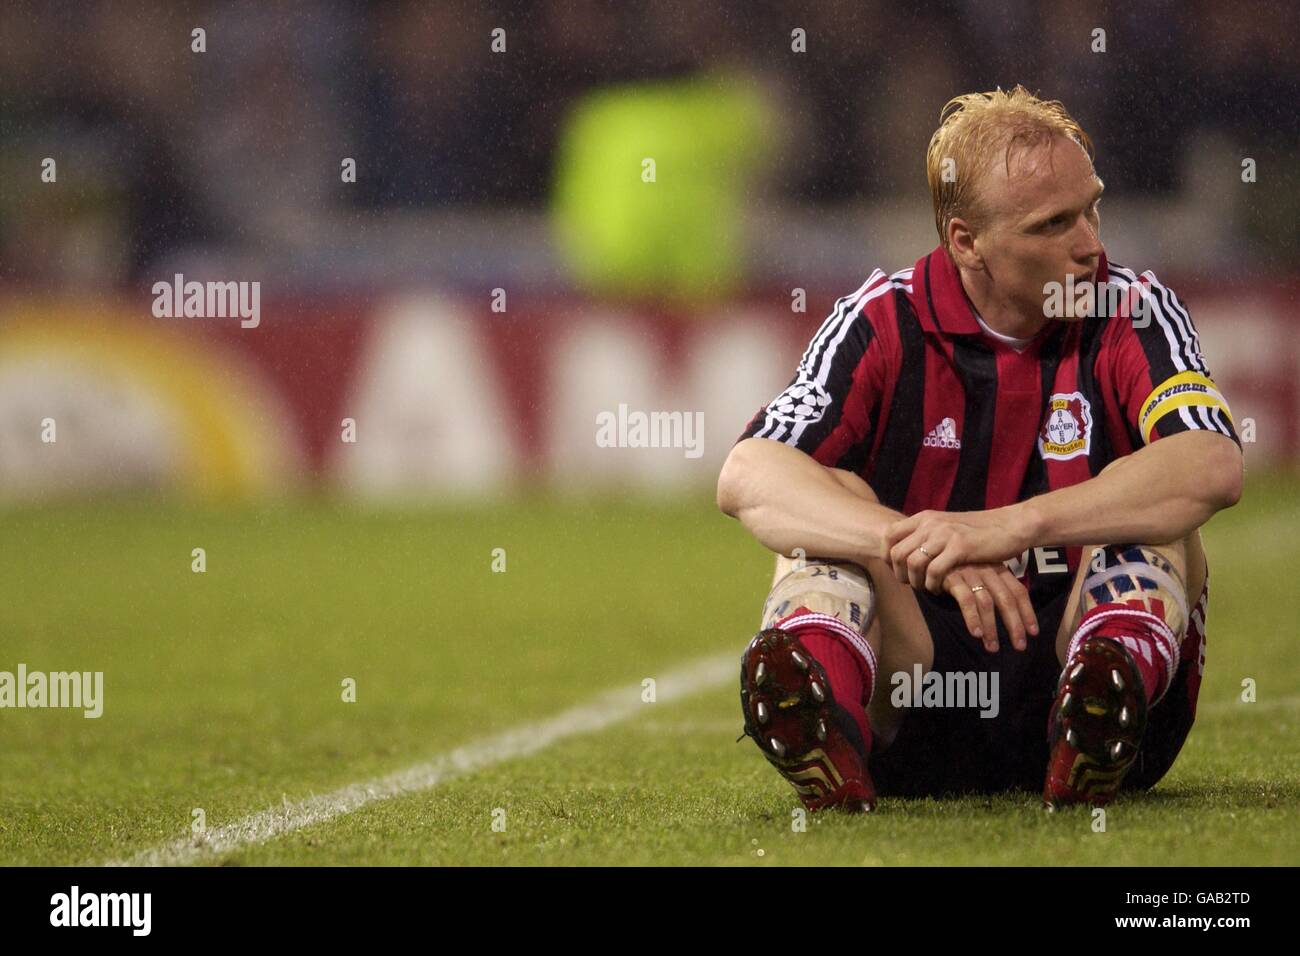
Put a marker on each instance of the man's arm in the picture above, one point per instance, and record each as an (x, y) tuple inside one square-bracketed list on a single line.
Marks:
[(788, 500), (1158, 494)]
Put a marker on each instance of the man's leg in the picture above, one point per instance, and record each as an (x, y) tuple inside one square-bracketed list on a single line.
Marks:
[(897, 632), (1121, 645), (1185, 557), (893, 627), (808, 678)]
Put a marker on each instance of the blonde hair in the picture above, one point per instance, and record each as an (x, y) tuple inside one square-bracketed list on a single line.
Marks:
[(972, 129)]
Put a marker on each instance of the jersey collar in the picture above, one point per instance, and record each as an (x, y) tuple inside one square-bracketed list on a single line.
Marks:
[(940, 300)]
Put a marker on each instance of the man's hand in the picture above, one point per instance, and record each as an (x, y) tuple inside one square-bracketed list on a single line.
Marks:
[(979, 589), (925, 548)]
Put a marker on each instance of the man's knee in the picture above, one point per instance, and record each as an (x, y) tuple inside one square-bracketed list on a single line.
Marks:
[(1171, 574), (1137, 576), (838, 589), (895, 628)]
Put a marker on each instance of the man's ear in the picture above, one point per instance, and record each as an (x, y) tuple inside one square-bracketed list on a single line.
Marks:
[(961, 243)]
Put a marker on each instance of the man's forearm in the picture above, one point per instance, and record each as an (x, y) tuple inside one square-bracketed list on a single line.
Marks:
[(787, 500), (1160, 493)]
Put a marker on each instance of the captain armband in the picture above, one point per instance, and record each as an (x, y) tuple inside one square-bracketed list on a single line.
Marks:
[(1184, 390)]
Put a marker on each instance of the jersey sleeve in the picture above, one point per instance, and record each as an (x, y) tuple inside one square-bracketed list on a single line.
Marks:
[(826, 411), (1160, 376)]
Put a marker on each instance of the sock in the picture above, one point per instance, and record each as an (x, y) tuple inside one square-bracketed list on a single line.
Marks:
[(846, 657), (1147, 638)]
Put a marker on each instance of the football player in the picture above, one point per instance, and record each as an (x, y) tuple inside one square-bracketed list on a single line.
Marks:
[(989, 470)]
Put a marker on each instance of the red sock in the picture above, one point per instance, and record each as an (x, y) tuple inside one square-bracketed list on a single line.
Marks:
[(1145, 635), (844, 655)]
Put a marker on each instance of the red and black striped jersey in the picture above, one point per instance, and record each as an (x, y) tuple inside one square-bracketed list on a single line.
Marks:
[(904, 385)]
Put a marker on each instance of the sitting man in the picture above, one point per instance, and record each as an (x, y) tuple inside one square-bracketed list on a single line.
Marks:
[(968, 481)]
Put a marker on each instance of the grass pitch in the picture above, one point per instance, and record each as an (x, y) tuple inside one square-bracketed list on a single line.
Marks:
[(223, 692)]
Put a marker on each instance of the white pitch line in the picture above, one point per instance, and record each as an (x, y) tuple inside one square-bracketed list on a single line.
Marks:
[(608, 708), (604, 710)]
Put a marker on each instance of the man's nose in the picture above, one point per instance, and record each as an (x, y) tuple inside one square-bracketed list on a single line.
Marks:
[(1088, 244)]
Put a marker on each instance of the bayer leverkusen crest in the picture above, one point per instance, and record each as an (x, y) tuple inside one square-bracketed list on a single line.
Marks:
[(1067, 427)]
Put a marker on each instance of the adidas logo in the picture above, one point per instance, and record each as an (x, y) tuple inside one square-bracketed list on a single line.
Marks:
[(943, 435)]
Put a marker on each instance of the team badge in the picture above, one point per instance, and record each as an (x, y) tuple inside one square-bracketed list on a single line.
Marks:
[(1067, 428)]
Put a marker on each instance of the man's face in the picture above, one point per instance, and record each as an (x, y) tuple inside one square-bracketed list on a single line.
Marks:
[(1041, 222)]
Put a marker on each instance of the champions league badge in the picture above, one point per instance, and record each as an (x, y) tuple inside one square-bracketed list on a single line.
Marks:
[(1067, 428)]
